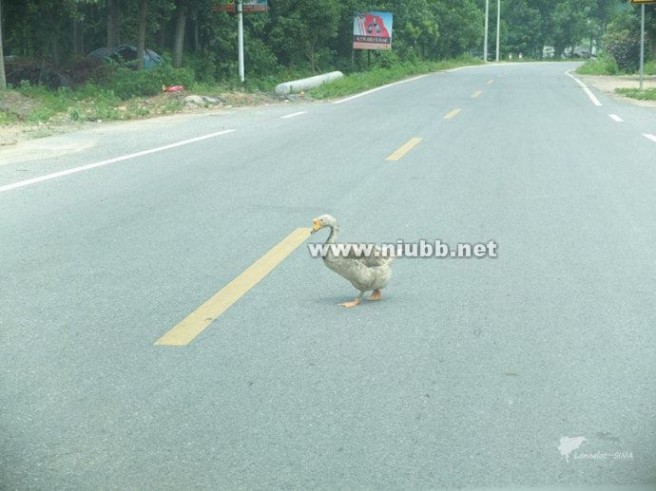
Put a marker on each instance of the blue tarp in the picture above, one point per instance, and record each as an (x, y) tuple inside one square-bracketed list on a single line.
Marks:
[(126, 54)]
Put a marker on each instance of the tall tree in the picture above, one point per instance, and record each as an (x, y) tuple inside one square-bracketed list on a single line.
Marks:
[(179, 36), (570, 23), (461, 26), (416, 29), (302, 29), (522, 28), (113, 31), (141, 37), (3, 78)]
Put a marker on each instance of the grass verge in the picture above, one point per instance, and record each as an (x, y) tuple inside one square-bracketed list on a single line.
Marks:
[(642, 95), (137, 95), (608, 66), (361, 81), (600, 66)]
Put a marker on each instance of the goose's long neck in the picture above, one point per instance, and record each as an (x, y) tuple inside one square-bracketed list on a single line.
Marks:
[(334, 229)]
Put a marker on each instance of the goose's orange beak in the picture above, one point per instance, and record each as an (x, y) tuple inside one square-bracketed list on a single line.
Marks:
[(316, 225)]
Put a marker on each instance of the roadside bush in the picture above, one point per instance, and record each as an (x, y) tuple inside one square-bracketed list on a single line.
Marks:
[(203, 66), (127, 83), (625, 49), (604, 65), (622, 41), (386, 59), (260, 59), (7, 118)]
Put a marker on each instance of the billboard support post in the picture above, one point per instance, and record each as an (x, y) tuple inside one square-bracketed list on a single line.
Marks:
[(642, 4)]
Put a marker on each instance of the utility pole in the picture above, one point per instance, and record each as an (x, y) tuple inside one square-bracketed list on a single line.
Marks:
[(498, 26), (642, 44), (487, 24), (240, 39)]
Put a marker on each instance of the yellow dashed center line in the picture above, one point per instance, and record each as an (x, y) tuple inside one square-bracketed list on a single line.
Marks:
[(196, 322), (453, 113), (477, 94), (405, 148)]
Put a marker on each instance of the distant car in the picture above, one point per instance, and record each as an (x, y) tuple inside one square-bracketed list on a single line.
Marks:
[(548, 52), (126, 54), (578, 52)]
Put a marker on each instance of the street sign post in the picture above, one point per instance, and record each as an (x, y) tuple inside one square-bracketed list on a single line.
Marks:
[(642, 4), (241, 7)]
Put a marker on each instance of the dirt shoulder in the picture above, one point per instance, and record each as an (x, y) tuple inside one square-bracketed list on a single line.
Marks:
[(608, 84), (152, 107)]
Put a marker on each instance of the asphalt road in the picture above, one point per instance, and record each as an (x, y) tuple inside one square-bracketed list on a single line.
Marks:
[(536, 368)]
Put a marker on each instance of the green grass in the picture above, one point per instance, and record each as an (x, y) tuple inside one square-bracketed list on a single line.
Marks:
[(608, 66), (643, 95), (45, 103), (86, 103), (600, 66), (130, 95), (7, 118), (361, 81), (650, 68)]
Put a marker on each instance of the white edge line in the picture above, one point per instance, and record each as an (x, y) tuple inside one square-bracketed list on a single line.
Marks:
[(651, 137), (371, 91), (293, 115), (585, 88), (75, 170), (616, 118)]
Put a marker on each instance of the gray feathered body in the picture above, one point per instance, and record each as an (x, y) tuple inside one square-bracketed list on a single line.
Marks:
[(366, 273), (362, 274)]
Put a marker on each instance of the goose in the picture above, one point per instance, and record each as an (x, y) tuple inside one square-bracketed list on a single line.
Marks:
[(366, 273)]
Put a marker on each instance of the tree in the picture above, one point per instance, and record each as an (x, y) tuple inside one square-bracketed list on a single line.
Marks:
[(178, 39), (622, 40), (113, 31), (569, 22), (416, 29), (601, 14), (461, 25), (3, 78), (141, 37), (522, 28), (302, 29)]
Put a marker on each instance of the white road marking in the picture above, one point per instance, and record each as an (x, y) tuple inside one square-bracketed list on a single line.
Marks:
[(616, 118), (651, 137), (588, 92), (371, 91), (83, 168), (293, 115)]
